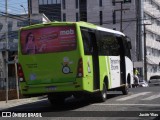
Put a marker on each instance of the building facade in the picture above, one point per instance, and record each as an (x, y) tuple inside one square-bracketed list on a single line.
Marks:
[(151, 9)]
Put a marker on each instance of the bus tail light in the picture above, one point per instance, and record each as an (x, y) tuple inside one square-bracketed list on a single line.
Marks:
[(20, 73), (80, 68)]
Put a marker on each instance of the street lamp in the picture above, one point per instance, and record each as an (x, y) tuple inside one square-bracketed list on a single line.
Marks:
[(23, 8), (29, 20)]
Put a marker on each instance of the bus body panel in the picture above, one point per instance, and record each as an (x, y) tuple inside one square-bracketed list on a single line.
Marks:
[(44, 66), (88, 73), (129, 70), (104, 70), (115, 71), (53, 69), (57, 71)]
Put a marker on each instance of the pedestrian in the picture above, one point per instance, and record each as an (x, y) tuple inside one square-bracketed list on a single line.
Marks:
[(136, 78)]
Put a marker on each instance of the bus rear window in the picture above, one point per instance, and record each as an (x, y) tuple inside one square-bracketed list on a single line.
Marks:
[(48, 40)]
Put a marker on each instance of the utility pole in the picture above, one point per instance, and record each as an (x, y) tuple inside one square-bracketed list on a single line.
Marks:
[(16, 73), (121, 10), (145, 52), (121, 16), (6, 52), (29, 12)]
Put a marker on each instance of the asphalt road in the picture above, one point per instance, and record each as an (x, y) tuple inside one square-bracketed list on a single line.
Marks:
[(140, 103)]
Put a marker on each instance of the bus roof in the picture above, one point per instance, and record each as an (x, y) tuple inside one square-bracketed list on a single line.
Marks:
[(100, 28), (80, 23), (110, 30)]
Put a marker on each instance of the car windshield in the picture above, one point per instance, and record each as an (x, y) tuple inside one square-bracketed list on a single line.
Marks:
[(155, 77)]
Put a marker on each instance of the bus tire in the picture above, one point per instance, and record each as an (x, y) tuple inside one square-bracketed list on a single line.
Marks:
[(125, 89), (102, 95), (56, 100), (129, 81)]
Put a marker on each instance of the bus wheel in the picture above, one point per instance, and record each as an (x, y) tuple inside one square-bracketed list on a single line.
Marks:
[(102, 95), (125, 89), (56, 100)]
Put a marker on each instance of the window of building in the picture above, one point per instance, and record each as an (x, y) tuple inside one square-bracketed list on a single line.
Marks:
[(10, 25), (100, 3), (1, 26), (76, 4), (101, 17), (83, 10), (54, 1), (77, 17), (64, 4), (113, 2), (40, 2), (64, 16), (45, 2), (154, 69), (114, 17), (58, 1), (49, 1)]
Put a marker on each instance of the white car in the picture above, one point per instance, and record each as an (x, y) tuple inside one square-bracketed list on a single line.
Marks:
[(143, 83), (154, 82)]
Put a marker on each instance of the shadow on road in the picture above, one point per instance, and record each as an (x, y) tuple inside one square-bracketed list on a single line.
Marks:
[(44, 105)]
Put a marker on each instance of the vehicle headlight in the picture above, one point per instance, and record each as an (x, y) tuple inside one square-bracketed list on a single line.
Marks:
[(143, 85)]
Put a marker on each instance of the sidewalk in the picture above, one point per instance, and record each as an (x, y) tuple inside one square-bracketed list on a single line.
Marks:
[(17, 102)]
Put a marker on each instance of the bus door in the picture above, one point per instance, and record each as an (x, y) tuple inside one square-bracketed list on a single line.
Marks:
[(90, 48), (95, 60), (122, 60)]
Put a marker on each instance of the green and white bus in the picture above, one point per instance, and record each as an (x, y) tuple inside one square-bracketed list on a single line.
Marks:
[(60, 59)]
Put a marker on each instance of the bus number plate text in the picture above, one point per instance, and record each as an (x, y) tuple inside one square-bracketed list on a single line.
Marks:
[(51, 88)]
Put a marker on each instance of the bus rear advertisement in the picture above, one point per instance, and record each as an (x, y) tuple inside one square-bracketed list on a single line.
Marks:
[(61, 59)]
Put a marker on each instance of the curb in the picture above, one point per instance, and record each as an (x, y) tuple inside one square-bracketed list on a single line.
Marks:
[(17, 102)]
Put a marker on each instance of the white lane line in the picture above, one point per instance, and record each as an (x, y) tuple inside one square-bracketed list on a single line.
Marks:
[(133, 96), (152, 97), (103, 104)]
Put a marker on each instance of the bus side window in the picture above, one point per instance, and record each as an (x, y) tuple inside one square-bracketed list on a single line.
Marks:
[(127, 48), (102, 43), (108, 44), (115, 50), (87, 42)]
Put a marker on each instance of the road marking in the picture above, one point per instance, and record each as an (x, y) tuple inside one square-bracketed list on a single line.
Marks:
[(103, 104), (152, 97), (133, 96)]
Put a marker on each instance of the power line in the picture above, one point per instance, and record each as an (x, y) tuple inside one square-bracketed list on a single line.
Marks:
[(11, 16), (56, 9), (50, 9)]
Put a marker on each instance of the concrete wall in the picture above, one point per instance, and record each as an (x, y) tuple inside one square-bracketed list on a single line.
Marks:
[(70, 10), (35, 7)]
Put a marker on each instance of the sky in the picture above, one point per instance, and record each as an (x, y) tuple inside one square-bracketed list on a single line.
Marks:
[(14, 6)]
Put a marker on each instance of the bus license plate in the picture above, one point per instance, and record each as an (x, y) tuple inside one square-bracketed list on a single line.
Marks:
[(51, 88)]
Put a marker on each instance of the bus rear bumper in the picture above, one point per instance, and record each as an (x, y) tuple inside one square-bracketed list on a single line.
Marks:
[(36, 90)]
